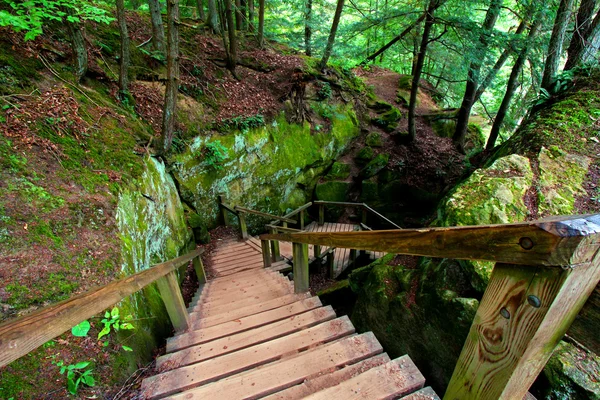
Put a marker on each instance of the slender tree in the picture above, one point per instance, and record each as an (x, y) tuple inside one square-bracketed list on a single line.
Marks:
[(332, 33), (251, 15), (513, 81), (158, 31), (124, 56), (307, 27), (78, 46), (464, 112), (232, 54), (213, 17), (429, 21), (587, 29), (200, 7), (555, 47), (168, 123), (261, 23), (238, 15)]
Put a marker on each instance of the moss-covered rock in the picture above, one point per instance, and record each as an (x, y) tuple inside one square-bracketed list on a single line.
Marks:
[(332, 191), (271, 168), (375, 165), (388, 121), (561, 180), (338, 171), (369, 192), (373, 139), (365, 155)]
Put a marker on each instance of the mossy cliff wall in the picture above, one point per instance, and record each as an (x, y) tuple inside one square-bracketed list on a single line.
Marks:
[(153, 229), (426, 311), (273, 168)]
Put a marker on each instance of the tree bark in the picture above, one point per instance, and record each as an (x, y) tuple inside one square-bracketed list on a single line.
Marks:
[(158, 31), (513, 83), (250, 15), (261, 23), (232, 55), (79, 49), (308, 28), (584, 33), (124, 56), (429, 20), (201, 13), (464, 112), (170, 108), (213, 17), (238, 15), (332, 33), (555, 47)]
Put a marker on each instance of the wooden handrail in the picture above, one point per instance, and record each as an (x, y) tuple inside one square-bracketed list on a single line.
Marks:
[(369, 209), (295, 212), (228, 208), (364, 206), (337, 203), (553, 242), (262, 214), (26, 333), (282, 228)]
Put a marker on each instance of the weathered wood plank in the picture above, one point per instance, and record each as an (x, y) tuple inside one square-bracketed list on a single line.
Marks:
[(300, 268), (524, 313), (423, 394), (558, 242), (243, 225), (586, 326), (329, 379), (246, 323), (199, 269), (244, 339), (282, 374), (171, 296), (198, 374), (208, 309), (391, 380), (24, 334)]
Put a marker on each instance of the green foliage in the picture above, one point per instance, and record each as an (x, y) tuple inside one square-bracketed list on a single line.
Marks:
[(214, 153), (324, 91), (77, 374), (241, 123), (81, 329), (112, 322), (31, 15)]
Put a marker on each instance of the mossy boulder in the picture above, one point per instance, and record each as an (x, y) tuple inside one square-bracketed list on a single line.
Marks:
[(561, 180), (375, 165), (338, 171), (332, 191), (374, 139), (379, 106), (365, 155), (388, 120), (369, 192)]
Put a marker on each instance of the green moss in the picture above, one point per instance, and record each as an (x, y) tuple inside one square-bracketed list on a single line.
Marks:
[(332, 191), (338, 171), (374, 139), (16, 379), (365, 155), (388, 121), (375, 165), (16, 71), (370, 192)]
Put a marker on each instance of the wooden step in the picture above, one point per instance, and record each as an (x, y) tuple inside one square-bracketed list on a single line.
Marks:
[(423, 394), (391, 380), (235, 313), (214, 369), (279, 266), (264, 282), (208, 309), (241, 255), (245, 339), (242, 324), (281, 288), (238, 270), (282, 374), (257, 262), (243, 275), (233, 249), (329, 379)]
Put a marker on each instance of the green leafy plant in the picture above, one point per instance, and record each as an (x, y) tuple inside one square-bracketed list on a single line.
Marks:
[(112, 322), (82, 329), (76, 375), (241, 123), (214, 153), (324, 92)]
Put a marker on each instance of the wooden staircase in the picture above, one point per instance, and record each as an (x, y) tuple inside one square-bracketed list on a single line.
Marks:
[(252, 337)]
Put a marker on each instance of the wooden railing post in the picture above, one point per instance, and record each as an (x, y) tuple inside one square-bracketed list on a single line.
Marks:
[(331, 264), (300, 269), (302, 220), (524, 313), (199, 268), (243, 226), (321, 214), (364, 215), (317, 251), (264, 245), (275, 253), (353, 256), (224, 212), (171, 296)]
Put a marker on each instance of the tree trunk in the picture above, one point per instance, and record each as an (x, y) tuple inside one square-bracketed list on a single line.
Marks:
[(232, 57), (158, 31), (583, 31), (213, 17), (308, 28), (555, 47), (489, 78), (244, 13), (79, 49), (124, 59), (135, 4), (513, 83), (238, 15), (332, 33), (429, 20), (250, 15), (261, 23), (168, 123), (464, 112), (201, 13), (415, 48)]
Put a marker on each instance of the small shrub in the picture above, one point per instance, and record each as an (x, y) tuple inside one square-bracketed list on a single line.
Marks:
[(324, 92), (214, 153), (241, 123)]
